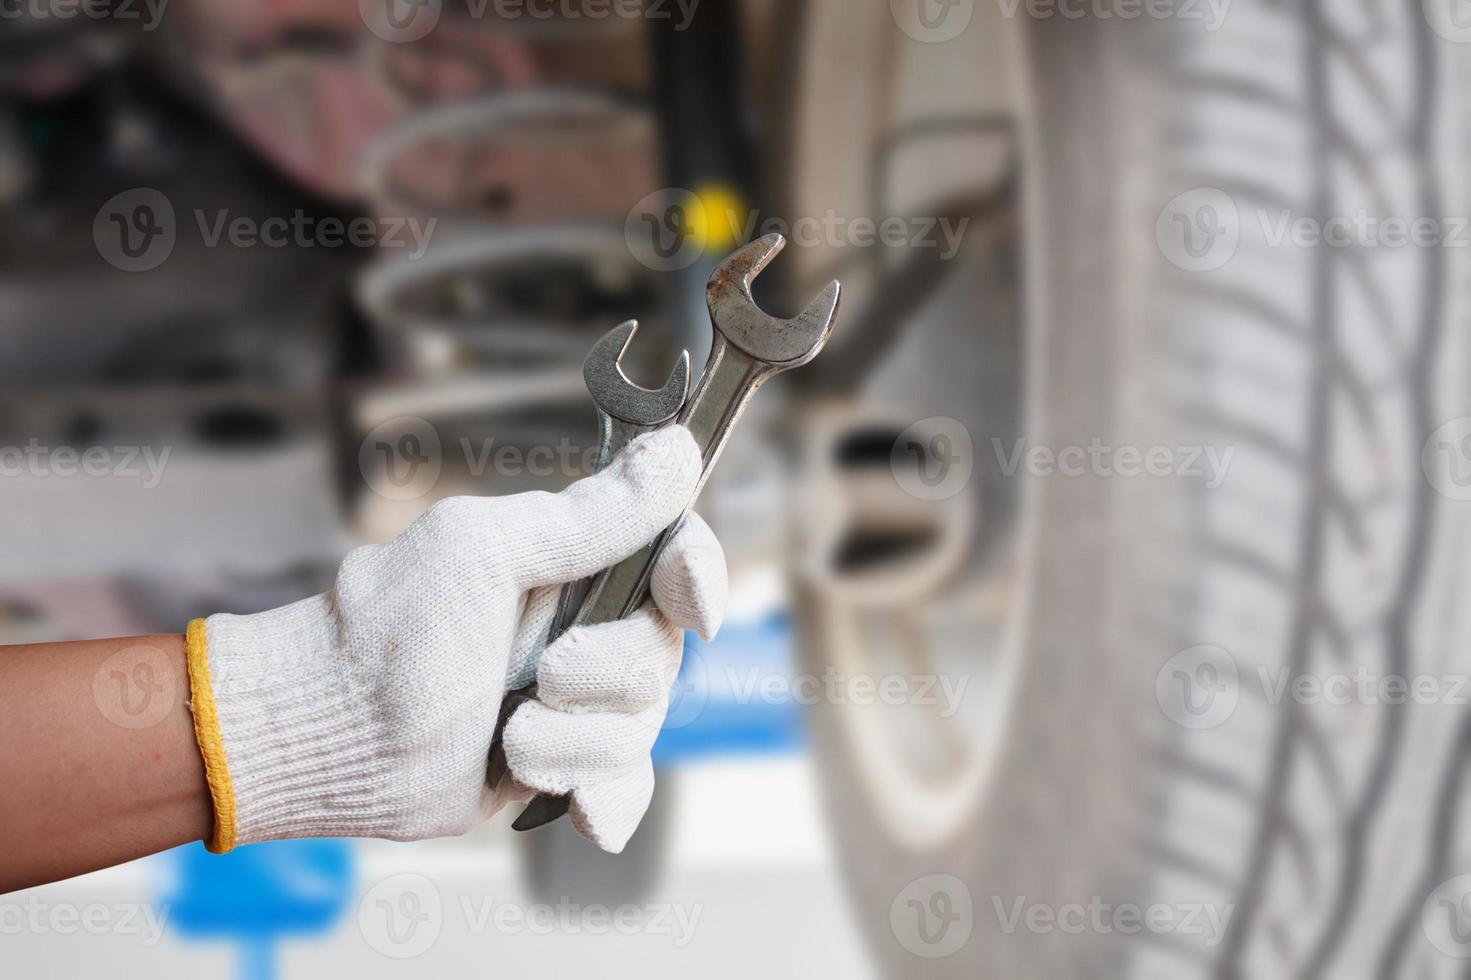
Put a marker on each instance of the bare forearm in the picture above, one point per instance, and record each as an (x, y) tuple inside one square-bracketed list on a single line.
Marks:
[(98, 761)]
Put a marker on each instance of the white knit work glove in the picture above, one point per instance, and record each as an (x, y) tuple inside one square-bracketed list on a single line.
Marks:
[(368, 711)]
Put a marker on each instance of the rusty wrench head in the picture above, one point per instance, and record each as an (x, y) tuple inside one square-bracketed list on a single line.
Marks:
[(621, 399), (784, 344)]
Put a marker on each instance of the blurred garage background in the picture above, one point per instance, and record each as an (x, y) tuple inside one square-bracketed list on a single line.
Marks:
[(1047, 575)]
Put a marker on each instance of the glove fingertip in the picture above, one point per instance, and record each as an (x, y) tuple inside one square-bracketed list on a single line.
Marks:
[(710, 590), (691, 584), (607, 814), (523, 758)]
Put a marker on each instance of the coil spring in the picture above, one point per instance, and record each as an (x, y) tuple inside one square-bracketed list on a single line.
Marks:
[(479, 238)]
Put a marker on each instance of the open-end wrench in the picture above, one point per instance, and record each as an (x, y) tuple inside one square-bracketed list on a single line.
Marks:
[(625, 412), (750, 348)]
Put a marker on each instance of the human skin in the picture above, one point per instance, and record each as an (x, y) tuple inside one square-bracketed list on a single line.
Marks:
[(98, 760)]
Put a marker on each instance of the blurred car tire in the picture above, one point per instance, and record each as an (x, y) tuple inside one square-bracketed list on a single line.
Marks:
[(1313, 832)]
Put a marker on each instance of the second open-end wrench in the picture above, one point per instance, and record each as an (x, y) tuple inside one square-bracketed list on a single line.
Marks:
[(750, 348), (625, 412)]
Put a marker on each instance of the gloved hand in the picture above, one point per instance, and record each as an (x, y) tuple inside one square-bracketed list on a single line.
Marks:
[(368, 711)]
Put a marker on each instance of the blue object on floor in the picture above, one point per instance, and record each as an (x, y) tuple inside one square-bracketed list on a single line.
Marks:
[(258, 894), (733, 695)]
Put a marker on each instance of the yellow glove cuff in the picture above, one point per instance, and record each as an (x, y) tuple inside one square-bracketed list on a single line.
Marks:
[(207, 734)]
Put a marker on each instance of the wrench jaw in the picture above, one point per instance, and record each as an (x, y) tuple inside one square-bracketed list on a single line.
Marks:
[(621, 399), (783, 344)]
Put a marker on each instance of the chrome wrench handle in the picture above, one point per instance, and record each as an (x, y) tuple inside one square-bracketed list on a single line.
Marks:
[(614, 435)]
